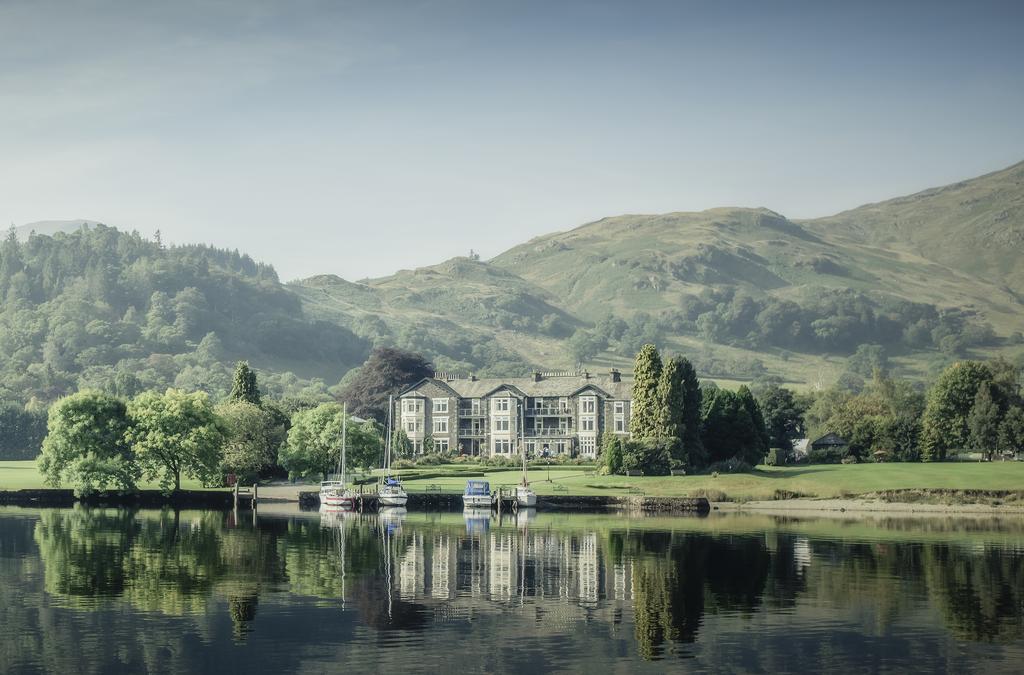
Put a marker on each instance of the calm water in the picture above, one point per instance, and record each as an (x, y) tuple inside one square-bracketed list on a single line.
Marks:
[(195, 591)]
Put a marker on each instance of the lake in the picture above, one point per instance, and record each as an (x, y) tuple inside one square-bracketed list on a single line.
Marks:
[(111, 590)]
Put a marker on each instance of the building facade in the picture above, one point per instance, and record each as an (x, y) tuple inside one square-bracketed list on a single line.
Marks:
[(546, 414)]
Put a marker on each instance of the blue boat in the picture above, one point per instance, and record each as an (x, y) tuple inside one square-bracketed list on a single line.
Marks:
[(477, 494)]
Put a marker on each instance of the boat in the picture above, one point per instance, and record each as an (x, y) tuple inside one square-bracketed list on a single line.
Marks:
[(333, 493), (477, 494), (525, 497), (390, 491)]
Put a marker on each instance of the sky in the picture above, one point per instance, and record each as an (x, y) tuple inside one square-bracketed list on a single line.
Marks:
[(358, 138)]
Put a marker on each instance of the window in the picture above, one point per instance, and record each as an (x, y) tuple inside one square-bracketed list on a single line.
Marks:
[(620, 425), (501, 424), (501, 405), (620, 407), (502, 446), (412, 405), (440, 425), (560, 447), (440, 405), (588, 446), (441, 445), (588, 404), (531, 447), (410, 426), (587, 424)]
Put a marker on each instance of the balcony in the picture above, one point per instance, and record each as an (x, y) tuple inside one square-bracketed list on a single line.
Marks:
[(472, 433), (547, 433), (550, 411), (472, 412)]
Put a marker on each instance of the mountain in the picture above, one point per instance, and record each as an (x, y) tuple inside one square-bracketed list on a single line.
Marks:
[(52, 227), (975, 226), (745, 292), (907, 284), (104, 309)]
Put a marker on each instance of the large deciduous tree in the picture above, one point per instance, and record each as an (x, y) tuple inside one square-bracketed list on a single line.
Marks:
[(728, 429), (643, 421), (949, 403), (385, 372), (314, 442), (254, 435), (176, 433), (85, 444), (1011, 431), (783, 418)]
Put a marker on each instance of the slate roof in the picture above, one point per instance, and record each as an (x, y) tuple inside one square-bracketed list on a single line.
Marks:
[(554, 385)]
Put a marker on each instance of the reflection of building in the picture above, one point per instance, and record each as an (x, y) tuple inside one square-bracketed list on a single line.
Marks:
[(553, 413), (411, 572)]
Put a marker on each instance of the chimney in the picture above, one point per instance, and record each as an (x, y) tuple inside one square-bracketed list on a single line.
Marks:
[(536, 376), (616, 375), (586, 374), (472, 377)]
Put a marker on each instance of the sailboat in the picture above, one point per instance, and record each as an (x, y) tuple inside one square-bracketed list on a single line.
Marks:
[(389, 490), (333, 493), (525, 497)]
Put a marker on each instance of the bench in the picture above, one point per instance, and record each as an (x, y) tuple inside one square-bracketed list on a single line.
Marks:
[(560, 488), (433, 487)]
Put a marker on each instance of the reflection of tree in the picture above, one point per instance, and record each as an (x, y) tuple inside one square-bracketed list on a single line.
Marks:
[(980, 593), (83, 553)]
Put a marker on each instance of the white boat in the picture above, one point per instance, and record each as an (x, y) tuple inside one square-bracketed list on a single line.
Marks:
[(525, 497), (390, 491), (333, 493), (477, 495)]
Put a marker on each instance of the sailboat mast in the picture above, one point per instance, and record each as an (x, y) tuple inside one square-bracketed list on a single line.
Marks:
[(344, 439)]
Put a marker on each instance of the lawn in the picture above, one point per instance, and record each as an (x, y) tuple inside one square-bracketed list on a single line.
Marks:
[(24, 475), (812, 481)]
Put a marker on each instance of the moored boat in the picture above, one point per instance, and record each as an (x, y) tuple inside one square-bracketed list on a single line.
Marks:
[(390, 491), (333, 493), (477, 494)]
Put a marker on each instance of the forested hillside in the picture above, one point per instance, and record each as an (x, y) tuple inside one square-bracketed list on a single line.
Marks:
[(110, 310)]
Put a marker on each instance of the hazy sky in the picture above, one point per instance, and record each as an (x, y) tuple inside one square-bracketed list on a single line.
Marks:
[(358, 138)]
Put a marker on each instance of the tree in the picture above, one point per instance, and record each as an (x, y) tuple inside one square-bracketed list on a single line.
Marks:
[(253, 438), (314, 441), (783, 418), (949, 403), (983, 422), (611, 452), (693, 447), (22, 430), (584, 345), (401, 446), (1011, 431), (643, 421), (670, 404), (384, 373), (652, 456), (727, 428), (757, 419), (85, 444), (244, 387), (176, 433), (315, 438)]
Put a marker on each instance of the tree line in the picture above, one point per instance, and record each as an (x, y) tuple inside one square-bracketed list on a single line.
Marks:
[(98, 441)]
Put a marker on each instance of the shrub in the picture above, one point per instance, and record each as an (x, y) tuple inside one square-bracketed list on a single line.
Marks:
[(826, 455), (652, 456), (733, 465), (432, 459), (498, 460)]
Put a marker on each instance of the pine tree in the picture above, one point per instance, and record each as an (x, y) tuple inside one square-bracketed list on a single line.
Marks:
[(643, 422), (983, 422), (693, 446), (761, 440), (670, 406), (244, 387)]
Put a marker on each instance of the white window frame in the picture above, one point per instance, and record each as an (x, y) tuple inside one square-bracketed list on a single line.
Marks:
[(440, 406), (441, 445), (440, 425), (587, 423), (502, 424), (620, 407), (620, 424), (588, 405), (503, 404)]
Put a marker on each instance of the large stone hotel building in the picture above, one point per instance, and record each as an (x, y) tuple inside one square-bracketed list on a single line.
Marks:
[(547, 414)]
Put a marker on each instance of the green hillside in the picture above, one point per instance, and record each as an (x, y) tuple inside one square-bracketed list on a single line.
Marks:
[(975, 226), (110, 310)]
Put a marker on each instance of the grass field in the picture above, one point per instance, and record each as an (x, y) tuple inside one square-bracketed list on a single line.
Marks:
[(24, 475), (811, 481), (764, 483)]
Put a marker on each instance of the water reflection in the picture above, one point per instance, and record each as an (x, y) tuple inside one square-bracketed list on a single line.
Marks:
[(606, 588)]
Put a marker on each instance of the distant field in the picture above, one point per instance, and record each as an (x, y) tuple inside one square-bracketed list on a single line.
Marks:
[(810, 481)]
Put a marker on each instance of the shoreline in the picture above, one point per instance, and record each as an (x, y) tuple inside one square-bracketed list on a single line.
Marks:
[(866, 504)]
